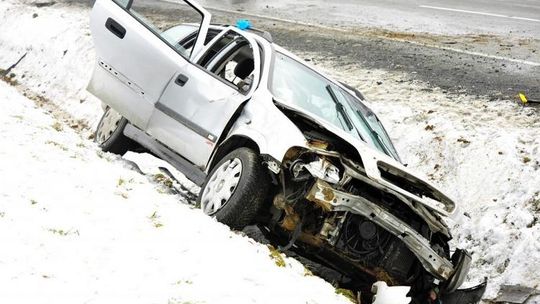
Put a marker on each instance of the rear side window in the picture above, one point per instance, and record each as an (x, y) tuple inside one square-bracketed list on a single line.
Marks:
[(217, 47), (231, 59)]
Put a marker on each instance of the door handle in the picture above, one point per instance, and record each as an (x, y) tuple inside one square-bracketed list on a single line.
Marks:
[(181, 80), (115, 28)]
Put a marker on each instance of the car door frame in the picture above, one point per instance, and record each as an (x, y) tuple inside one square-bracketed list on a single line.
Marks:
[(203, 27), (125, 86), (209, 138), (257, 62)]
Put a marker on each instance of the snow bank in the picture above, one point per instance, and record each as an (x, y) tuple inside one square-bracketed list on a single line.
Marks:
[(77, 226), (59, 53), (485, 154)]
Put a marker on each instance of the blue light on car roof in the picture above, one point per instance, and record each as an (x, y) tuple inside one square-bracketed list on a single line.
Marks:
[(243, 24)]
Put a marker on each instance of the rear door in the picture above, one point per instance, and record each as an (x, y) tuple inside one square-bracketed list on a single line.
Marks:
[(194, 110), (136, 55)]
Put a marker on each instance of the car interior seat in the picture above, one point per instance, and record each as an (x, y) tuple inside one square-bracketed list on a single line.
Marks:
[(243, 70)]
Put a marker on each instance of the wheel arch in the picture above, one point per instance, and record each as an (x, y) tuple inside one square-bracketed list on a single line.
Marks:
[(230, 144)]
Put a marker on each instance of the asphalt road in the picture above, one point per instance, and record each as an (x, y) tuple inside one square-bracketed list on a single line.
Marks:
[(517, 18), (494, 65)]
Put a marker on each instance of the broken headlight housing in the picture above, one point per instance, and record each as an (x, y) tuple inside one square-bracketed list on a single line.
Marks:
[(320, 168)]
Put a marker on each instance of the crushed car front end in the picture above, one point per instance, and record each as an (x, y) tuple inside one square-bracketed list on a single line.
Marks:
[(344, 199), (368, 230), (341, 196)]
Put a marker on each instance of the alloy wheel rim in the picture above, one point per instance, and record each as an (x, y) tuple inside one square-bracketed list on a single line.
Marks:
[(108, 125), (221, 186)]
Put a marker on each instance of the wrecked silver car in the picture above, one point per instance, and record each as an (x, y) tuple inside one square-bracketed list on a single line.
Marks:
[(273, 141)]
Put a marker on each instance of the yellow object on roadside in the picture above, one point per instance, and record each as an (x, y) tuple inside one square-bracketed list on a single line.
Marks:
[(526, 100), (523, 98)]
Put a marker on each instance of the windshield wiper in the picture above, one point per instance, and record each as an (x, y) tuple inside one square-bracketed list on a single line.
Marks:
[(377, 136), (339, 107)]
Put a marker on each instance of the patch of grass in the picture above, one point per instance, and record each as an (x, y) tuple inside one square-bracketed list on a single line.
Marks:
[(10, 79), (526, 159), (276, 256), (33, 202), (123, 187), (63, 232), (154, 219), (164, 180), (349, 294), (57, 126), (62, 147)]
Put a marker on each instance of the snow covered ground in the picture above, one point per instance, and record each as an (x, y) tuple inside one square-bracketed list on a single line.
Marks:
[(484, 153), (79, 226)]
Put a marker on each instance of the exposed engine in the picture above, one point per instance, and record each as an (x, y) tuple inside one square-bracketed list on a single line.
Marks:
[(374, 247), (321, 224)]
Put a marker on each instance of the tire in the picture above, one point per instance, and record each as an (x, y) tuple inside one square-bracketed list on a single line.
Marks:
[(109, 133), (239, 206)]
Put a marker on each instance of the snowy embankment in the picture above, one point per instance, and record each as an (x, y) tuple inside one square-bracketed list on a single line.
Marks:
[(484, 154), (81, 226)]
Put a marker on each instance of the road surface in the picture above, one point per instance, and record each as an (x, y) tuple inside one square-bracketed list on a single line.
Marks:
[(482, 47), (516, 18)]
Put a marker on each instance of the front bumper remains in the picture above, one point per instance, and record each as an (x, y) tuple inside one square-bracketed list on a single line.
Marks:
[(465, 296), (335, 200), (451, 273)]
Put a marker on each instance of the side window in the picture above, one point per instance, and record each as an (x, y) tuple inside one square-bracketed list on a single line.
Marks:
[(172, 22), (182, 37), (231, 59), (225, 41)]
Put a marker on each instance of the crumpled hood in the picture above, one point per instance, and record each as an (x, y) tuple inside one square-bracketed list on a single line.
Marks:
[(386, 171)]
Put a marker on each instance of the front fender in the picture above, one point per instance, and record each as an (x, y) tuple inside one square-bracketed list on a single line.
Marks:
[(263, 123)]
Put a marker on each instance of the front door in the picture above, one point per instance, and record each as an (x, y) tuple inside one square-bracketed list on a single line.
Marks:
[(137, 56), (195, 108)]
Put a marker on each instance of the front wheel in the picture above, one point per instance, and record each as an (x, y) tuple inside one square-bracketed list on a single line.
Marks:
[(236, 189), (110, 133)]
